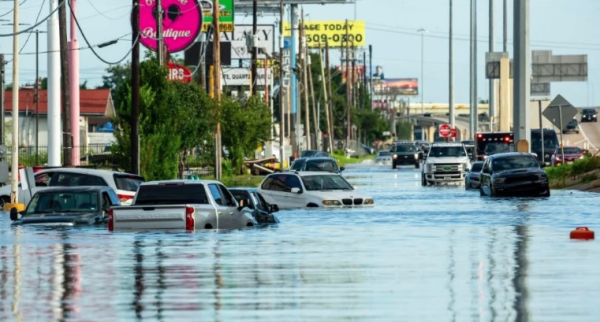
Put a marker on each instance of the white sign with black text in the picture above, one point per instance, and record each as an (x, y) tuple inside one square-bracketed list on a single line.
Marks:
[(239, 47), (241, 77)]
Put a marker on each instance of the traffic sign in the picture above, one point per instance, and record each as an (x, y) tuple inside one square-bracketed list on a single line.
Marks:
[(453, 133), (560, 112), (445, 130)]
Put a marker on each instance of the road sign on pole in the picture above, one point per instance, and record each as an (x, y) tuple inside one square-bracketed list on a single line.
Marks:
[(445, 130), (558, 106), (453, 133)]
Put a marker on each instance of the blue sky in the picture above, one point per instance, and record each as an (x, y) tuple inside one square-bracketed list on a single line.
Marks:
[(565, 27)]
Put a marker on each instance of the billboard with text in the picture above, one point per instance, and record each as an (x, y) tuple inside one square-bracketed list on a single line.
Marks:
[(396, 87)]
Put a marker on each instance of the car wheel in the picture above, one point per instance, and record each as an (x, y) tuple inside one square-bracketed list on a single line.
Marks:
[(393, 166), (423, 181), (417, 165)]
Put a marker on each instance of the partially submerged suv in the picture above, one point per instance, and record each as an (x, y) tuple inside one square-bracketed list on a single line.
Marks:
[(446, 162)]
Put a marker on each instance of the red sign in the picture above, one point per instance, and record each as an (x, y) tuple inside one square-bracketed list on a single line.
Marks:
[(179, 73), (445, 130), (453, 133)]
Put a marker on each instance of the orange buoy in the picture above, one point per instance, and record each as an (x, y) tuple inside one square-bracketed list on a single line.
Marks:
[(582, 233)]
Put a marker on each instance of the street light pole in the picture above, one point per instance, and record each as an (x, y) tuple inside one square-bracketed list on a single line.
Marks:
[(422, 31), (37, 95)]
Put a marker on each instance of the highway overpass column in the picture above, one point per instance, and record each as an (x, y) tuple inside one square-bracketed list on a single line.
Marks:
[(522, 74), (504, 96), (431, 133)]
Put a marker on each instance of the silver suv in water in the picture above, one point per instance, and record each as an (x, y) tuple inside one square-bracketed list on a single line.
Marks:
[(445, 163)]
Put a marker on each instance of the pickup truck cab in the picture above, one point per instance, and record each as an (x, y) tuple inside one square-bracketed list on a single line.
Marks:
[(445, 163), (181, 204)]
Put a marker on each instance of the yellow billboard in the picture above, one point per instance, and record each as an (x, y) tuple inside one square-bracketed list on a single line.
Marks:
[(333, 32)]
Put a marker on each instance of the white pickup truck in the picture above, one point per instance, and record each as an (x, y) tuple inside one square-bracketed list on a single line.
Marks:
[(181, 204), (445, 163)]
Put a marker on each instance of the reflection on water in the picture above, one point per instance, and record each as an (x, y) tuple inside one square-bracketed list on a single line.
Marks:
[(422, 254)]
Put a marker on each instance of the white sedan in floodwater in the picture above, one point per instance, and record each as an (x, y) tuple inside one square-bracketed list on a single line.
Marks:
[(290, 190), (383, 157)]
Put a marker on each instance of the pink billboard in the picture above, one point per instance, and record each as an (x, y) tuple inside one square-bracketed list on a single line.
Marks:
[(182, 23)]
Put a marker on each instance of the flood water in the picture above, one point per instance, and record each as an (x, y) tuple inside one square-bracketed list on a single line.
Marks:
[(422, 254)]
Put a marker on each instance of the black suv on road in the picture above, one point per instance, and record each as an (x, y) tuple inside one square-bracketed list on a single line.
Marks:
[(589, 115), (406, 154)]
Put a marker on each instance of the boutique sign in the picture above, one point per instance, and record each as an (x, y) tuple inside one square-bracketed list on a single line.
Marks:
[(182, 23)]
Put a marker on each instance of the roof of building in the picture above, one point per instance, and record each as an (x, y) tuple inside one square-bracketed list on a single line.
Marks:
[(93, 102)]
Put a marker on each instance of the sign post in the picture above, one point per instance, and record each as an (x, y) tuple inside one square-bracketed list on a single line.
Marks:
[(559, 112)]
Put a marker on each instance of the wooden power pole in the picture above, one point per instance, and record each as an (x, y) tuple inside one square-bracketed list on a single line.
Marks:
[(348, 88), (330, 95), (303, 58), (64, 84), (135, 89), (217, 87)]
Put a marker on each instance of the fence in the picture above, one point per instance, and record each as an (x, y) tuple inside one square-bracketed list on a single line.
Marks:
[(92, 154)]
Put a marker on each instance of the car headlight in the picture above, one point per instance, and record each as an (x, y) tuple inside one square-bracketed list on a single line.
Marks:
[(368, 202), (594, 115), (485, 157), (332, 203), (394, 156), (416, 155), (499, 180)]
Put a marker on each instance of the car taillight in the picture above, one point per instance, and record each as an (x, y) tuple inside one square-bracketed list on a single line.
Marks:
[(189, 218), (111, 224), (123, 198)]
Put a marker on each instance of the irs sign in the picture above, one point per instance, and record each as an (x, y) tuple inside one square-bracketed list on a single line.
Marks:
[(179, 73)]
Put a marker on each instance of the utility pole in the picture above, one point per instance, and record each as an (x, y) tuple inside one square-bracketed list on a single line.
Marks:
[(36, 96), (253, 72), (2, 81), (451, 74), (422, 86), (505, 26), (281, 85), (135, 89), (492, 82), (158, 11), (294, 92), (217, 86), (54, 113), (303, 59), (371, 75), (14, 194), (348, 89), (473, 78), (64, 84), (324, 82), (330, 95), (314, 105), (74, 84)]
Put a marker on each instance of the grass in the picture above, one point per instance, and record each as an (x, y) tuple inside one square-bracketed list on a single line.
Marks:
[(575, 173)]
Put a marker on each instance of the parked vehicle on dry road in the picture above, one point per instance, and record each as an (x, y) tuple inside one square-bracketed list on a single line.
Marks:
[(571, 154), (181, 204)]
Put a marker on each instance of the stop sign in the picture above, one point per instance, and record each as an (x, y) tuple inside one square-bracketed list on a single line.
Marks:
[(445, 130)]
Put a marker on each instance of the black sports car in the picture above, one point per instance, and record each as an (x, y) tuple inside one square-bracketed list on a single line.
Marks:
[(513, 174)]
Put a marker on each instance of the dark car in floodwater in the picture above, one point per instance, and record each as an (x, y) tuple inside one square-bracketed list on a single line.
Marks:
[(263, 212), (67, 206), (406, 154), (513, 174)]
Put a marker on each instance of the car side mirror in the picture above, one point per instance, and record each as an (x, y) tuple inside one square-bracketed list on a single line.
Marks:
[(342, 169), (14, 214), (296, 190), (274, 208)]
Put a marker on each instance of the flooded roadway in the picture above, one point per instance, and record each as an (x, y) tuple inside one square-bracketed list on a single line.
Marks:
[(422, 254)]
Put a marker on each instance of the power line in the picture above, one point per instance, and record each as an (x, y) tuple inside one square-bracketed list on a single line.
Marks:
[(35, 25), (101, 13), (11, 10), (92, 48)]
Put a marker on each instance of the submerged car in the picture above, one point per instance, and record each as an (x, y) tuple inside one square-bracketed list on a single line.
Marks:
[(383, 157), (571, 154), (263, 212), (316, 164), (290, 190), (67, 206), (472, 178), (513, 174)]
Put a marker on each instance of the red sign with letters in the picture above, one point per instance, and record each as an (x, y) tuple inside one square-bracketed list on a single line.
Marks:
[(179, 73)]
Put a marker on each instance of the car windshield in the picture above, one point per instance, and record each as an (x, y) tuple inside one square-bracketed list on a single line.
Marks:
[(513, 163), (589, 111), (308, 153), (384, 153), (447, 151), (323, 182), (405, 148), (570, 150), (477, 167), (496, 148), (321, 165), (572, 123), (61, 201)]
